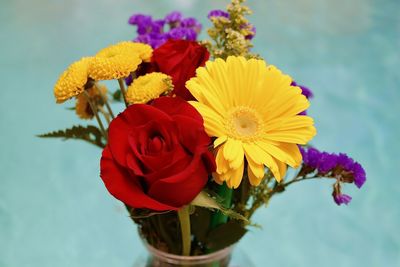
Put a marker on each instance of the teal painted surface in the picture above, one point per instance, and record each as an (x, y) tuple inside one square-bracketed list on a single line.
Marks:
[(54, 209)]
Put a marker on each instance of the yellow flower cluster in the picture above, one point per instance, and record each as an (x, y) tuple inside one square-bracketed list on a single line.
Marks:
[(96, 95), (149, 87), (114, 62), (72, 81)]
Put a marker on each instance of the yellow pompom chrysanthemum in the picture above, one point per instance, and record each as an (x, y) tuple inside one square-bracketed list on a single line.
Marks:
[(253, 111), (144, 51), (72, 81), (148, 87), (82, 106), (115, 62)]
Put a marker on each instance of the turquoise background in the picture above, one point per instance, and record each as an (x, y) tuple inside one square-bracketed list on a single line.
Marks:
[(54, 209)]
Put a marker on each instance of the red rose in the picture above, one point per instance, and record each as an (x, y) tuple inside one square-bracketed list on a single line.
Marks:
[(180, 59), (157, 155)]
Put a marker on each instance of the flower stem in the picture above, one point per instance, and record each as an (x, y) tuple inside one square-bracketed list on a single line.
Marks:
[(96, 114), (104, 98), (123, 91), (184, 219), (105, 114)]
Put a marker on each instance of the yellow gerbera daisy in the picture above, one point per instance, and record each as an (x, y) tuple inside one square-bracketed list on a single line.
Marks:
[(253, 111), (115, 62), (82, 106), (72, 81), (148, 87)]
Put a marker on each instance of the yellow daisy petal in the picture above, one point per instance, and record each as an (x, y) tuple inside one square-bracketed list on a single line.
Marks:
[(212, 120), (233, 153), (257, 170), (287, 153), (289, 123), (220, 140), (235, 176), (218, 178), (282, 167), (298, 136), (222, 163), (253, 179)]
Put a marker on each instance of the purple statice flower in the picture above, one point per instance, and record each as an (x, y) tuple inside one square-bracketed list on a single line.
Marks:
[(143, 23), (310, 157), (341, 199), (326, 162), (305, 90), (359, 175), (191, 23), (182, 33), (338, 166), (153, 39), (218, 13), (173, 18), (155, 33), (138, 19), (177, 34), (191, 34), (157, 26), (334, 165)]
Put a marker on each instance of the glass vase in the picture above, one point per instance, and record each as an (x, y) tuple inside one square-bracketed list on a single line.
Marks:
[(227, 257)]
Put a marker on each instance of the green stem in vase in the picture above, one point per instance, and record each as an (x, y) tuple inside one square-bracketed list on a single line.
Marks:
[(184, 219), (218, 217)]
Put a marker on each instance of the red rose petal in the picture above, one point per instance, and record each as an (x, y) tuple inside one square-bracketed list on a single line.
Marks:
[(125, 187), (177, 106), (180, 59), (192, 135), (125, 122), (181, 188), (179, 163)]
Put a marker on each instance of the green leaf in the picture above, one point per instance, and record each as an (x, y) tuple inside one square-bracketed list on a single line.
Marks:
[(206, 201), (143, 213), (89, 133), (225, 235)]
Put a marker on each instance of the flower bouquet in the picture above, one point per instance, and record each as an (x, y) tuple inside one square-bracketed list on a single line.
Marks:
[(206, 137)]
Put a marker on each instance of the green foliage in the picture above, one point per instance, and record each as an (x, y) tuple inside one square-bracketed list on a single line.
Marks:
[(205, 200), (89, 133)]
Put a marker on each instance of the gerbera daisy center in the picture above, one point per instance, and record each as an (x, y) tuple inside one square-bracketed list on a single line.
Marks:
[(244, 123)]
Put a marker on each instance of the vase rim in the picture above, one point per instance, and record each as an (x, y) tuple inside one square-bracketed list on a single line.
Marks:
[(190, 260)]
